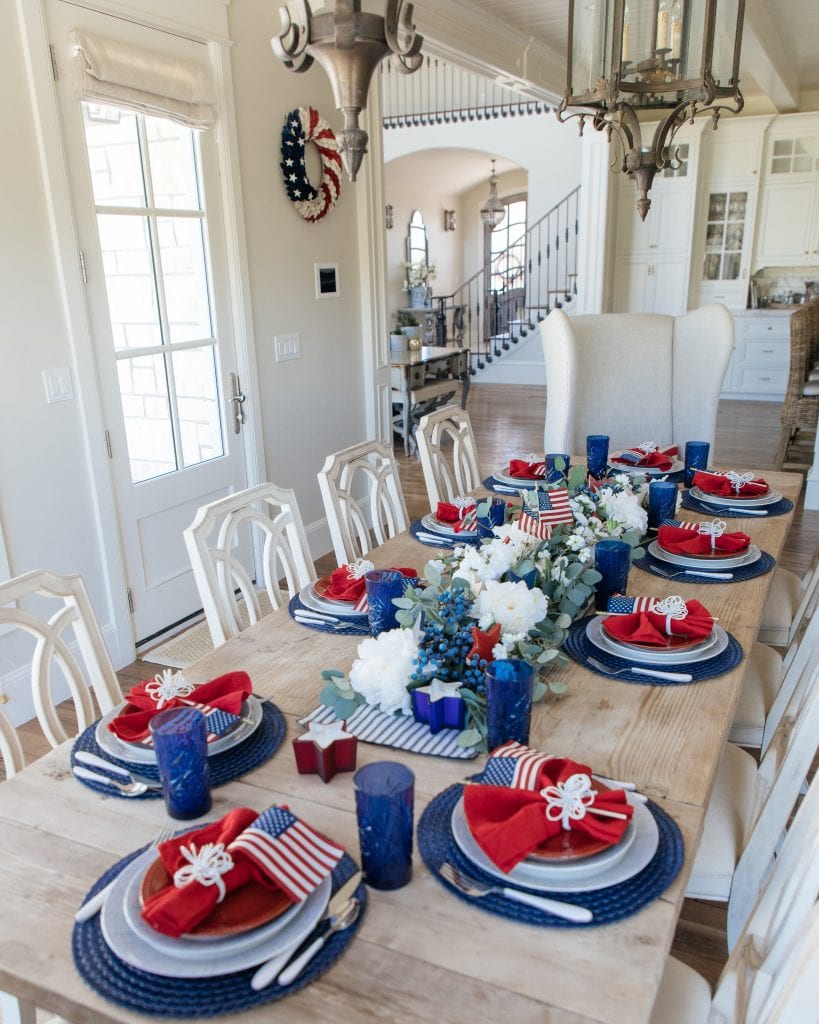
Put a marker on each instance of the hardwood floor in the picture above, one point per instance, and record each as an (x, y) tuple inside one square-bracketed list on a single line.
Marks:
[(509, 418)]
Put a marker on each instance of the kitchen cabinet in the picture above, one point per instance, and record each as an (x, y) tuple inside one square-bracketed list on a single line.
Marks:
[(650, 285), (761, 359)]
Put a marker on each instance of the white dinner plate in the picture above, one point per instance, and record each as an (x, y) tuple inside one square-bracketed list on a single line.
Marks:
[(341, 609), (714, 646), (722, 500), (516, 481), (136, 753), (530, 873), (214, 958), (430, 523), (753, 554), (622, 467)]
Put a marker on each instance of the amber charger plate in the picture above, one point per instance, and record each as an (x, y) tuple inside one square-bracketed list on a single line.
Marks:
[(572, 845), (322, 588), (248, 907)]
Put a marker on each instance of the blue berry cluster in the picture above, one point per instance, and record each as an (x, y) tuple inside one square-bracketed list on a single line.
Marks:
[(446, 643)]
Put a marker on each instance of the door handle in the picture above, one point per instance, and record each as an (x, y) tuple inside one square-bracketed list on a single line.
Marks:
[(238, 398)]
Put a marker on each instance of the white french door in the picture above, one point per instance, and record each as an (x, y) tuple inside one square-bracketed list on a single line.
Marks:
[(146, 199)]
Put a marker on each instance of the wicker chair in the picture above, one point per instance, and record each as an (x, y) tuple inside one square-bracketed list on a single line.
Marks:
[(801, 406)]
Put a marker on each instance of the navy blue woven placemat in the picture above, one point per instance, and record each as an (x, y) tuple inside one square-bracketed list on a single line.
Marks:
[(149, 993), (437, 844), (579, 648), (359, 626), (443, 540), (648, 563), (231, 764), (778, 508), (491, 484)]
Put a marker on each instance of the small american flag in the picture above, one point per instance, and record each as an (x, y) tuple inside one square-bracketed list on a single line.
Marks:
[(292, 853), (547, 509), (627, 605), (217, 722), (515, 766), (634, 455), (694, 527)]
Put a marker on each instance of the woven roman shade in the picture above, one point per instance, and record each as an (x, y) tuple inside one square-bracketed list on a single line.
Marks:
[(118, 74)]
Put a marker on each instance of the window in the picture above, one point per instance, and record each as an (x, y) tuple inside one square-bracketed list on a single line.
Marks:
[(793, 156), (507, 248)]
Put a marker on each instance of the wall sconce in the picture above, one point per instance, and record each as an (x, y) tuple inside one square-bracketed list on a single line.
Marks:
[(388, 216), (449, 220)]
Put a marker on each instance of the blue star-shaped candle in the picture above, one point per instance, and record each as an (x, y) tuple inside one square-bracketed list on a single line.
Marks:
[(440, 705), (325, 750)]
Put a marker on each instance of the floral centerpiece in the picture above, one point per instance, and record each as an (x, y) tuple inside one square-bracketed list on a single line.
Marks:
[(418, 274), (514, 596)]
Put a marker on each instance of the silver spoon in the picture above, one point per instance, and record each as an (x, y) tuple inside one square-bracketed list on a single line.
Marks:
[(126, 788), (347, 917)]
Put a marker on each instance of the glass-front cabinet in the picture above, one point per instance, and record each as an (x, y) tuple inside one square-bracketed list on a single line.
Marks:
[(726, 246)]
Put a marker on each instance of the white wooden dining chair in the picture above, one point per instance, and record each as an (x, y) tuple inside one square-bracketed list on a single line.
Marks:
[(68, 644), (791, 599), (750, 806), (772, 974), (11, 753), (449, 456), (361, 490), (259, 527)]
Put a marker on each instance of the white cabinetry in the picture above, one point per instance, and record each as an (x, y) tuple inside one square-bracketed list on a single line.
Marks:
[(761, 359)]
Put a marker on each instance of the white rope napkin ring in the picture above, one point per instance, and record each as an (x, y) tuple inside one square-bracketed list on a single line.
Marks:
[(738, 480), (567, 801), (673, 607), (359, 568), (166, 686), (462, 504), (647, 446), (206, 866), (714, 529)]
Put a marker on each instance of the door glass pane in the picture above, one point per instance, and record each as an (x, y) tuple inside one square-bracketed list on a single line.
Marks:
[(181, 246), (711, 268), (713, 239), (113, 156), (129, 280), (197, 402), (730, 266), (172, 156), (783, 147), (143, 386)]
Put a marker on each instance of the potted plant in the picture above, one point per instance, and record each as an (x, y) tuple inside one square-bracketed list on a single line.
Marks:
[(407, 325), (418, 276), (398, 340)]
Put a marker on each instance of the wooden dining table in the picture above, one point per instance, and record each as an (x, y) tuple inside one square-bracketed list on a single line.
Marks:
[(421, 954)]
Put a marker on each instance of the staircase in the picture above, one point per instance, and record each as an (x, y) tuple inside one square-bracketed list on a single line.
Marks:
[(490, 322)]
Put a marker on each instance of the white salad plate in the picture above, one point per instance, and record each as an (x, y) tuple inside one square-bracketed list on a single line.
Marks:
[(712, 647), (724, 500), (753, 554)]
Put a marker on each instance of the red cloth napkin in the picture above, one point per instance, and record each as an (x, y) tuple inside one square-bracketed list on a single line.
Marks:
[(343, 587), (524, 470), (686, 542), (654, 627), (463, 518), (719, 483), (227, 692), (660, 459), (508, 824)]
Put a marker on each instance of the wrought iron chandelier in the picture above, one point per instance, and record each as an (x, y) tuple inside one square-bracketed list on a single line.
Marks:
[(349, 45), (494, 211), (631, 57)]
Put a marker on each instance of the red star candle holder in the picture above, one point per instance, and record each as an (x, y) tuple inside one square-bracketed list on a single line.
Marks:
[(439, 705), (325, 750)]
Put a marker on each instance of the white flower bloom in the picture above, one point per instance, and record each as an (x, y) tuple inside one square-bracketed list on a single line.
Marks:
[(624, 508), (383, 669), (499, 652), (513, 606), (437, 563)]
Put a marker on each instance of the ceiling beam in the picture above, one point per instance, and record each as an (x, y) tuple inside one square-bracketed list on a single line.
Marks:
[(763, 56)]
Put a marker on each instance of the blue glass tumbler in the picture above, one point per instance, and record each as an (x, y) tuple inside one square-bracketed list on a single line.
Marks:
[(597, 454), (696, 458), (384, 793), (494, 516), (382, 586), (557, 466), (612, 559), (509, 686), (181, 747), (662, 502)]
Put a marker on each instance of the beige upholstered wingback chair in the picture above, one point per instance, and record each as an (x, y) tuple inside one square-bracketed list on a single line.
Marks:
[(635, 377)]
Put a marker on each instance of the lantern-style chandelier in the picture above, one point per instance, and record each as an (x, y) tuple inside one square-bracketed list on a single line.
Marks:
[(349, 46), (494, 211), (631, 57)]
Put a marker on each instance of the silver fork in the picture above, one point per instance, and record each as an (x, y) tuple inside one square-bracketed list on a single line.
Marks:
[(677, 677), (97, 901), (690, 572), (472, 887)]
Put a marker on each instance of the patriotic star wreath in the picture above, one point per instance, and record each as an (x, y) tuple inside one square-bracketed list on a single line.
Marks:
[(301, 126)]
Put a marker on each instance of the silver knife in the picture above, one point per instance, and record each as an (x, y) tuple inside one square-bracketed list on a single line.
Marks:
[(270, 969)]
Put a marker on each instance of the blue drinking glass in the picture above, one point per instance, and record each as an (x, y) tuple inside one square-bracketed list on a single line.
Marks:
[(382, 586), (597, 454), (181, 746), (494, 516), (612, 559), (696, 458), (509, 686), (662, 502), (557, 466), (384, 794)]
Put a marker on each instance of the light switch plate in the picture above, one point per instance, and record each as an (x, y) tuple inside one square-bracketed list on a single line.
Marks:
[(57, 383), (288, 346)]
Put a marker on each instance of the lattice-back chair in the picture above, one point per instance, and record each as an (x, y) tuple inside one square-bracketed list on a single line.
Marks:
[(449, 472), (222, 541), (772, 974), (801, 405), (68, 644), (360, 487), (12, 759)]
